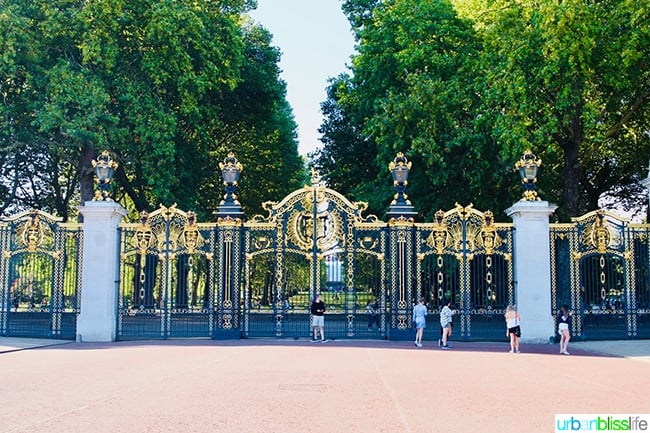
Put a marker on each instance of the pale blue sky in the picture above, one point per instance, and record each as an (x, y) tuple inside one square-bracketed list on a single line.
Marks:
[(316, 43)]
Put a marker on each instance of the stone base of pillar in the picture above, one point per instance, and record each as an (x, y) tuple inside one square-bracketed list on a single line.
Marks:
[(99, 288), (532, 269), (536, 330)]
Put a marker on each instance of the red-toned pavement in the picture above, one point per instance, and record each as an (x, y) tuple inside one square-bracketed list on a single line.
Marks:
[(298, 386)]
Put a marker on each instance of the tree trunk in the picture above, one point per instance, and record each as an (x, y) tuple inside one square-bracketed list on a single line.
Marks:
[(572, 168), (87, 175)]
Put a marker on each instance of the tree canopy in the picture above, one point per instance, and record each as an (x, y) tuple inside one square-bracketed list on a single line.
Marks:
[(169, 87), (464, 87)]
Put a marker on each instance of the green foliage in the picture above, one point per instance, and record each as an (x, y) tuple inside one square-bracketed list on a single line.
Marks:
[(461, 87), (412, 90), (573, 87), (169, 87), (464, 87), (347, 159)]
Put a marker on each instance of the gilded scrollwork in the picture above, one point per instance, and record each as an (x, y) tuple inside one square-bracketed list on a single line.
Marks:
[(261, 241), (456, 237), (463, 231), (368, 242), (190, 237), (35, 232), (489, 237), (168, 244), (32, 233), (600, 235), (321, 225), (401, 221), (438, 237), (143, 238)]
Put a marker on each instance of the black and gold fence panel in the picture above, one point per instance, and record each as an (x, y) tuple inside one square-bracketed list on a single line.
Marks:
[(40, 276), (167, 276), (599, 269), (371, 276), (639, 294), (466, 258), (179, 278), (263, 314)]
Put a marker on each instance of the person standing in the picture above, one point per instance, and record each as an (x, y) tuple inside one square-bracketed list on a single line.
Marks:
[(372, 310), (318, 318), (420, 320), (513, 330), (563, 320), (286, 307), (445, 323), (449, 334)]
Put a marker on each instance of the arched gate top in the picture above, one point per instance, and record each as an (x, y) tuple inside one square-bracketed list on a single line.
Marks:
[(306, 195)]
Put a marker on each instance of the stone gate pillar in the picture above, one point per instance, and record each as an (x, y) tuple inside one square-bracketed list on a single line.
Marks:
[(532, 269), (99, 276)]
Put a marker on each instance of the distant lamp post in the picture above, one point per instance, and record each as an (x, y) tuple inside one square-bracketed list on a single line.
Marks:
[(528, 167), (400, 168), (230, 172), (104, 167)]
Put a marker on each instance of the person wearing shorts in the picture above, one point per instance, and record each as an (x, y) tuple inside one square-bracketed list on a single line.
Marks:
[(513, 330), (563, 320), (318, 318), (445, 323), (420, 320)]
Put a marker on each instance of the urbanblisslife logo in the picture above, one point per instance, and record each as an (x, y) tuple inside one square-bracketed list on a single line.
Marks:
[(605, 423)]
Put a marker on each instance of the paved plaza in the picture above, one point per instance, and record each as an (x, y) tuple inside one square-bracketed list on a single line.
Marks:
[(298, 386)]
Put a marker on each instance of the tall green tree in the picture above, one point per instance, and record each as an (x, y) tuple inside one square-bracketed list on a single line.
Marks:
[(37, 169), (347, 159), (412, 89), (464, 87), (163, 85), (259, 123), (571, 81)]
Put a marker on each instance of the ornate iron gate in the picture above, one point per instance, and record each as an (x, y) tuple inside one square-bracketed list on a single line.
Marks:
[(314, 241), (465, 257), (599, 268), (183, 279), (167, 276), (40, 270)]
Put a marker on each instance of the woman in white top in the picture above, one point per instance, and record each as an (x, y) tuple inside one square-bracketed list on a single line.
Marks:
[(512, 327)]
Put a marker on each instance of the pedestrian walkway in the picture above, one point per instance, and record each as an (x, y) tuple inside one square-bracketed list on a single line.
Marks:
[(286, 386), (634, 349), (11, 344)]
